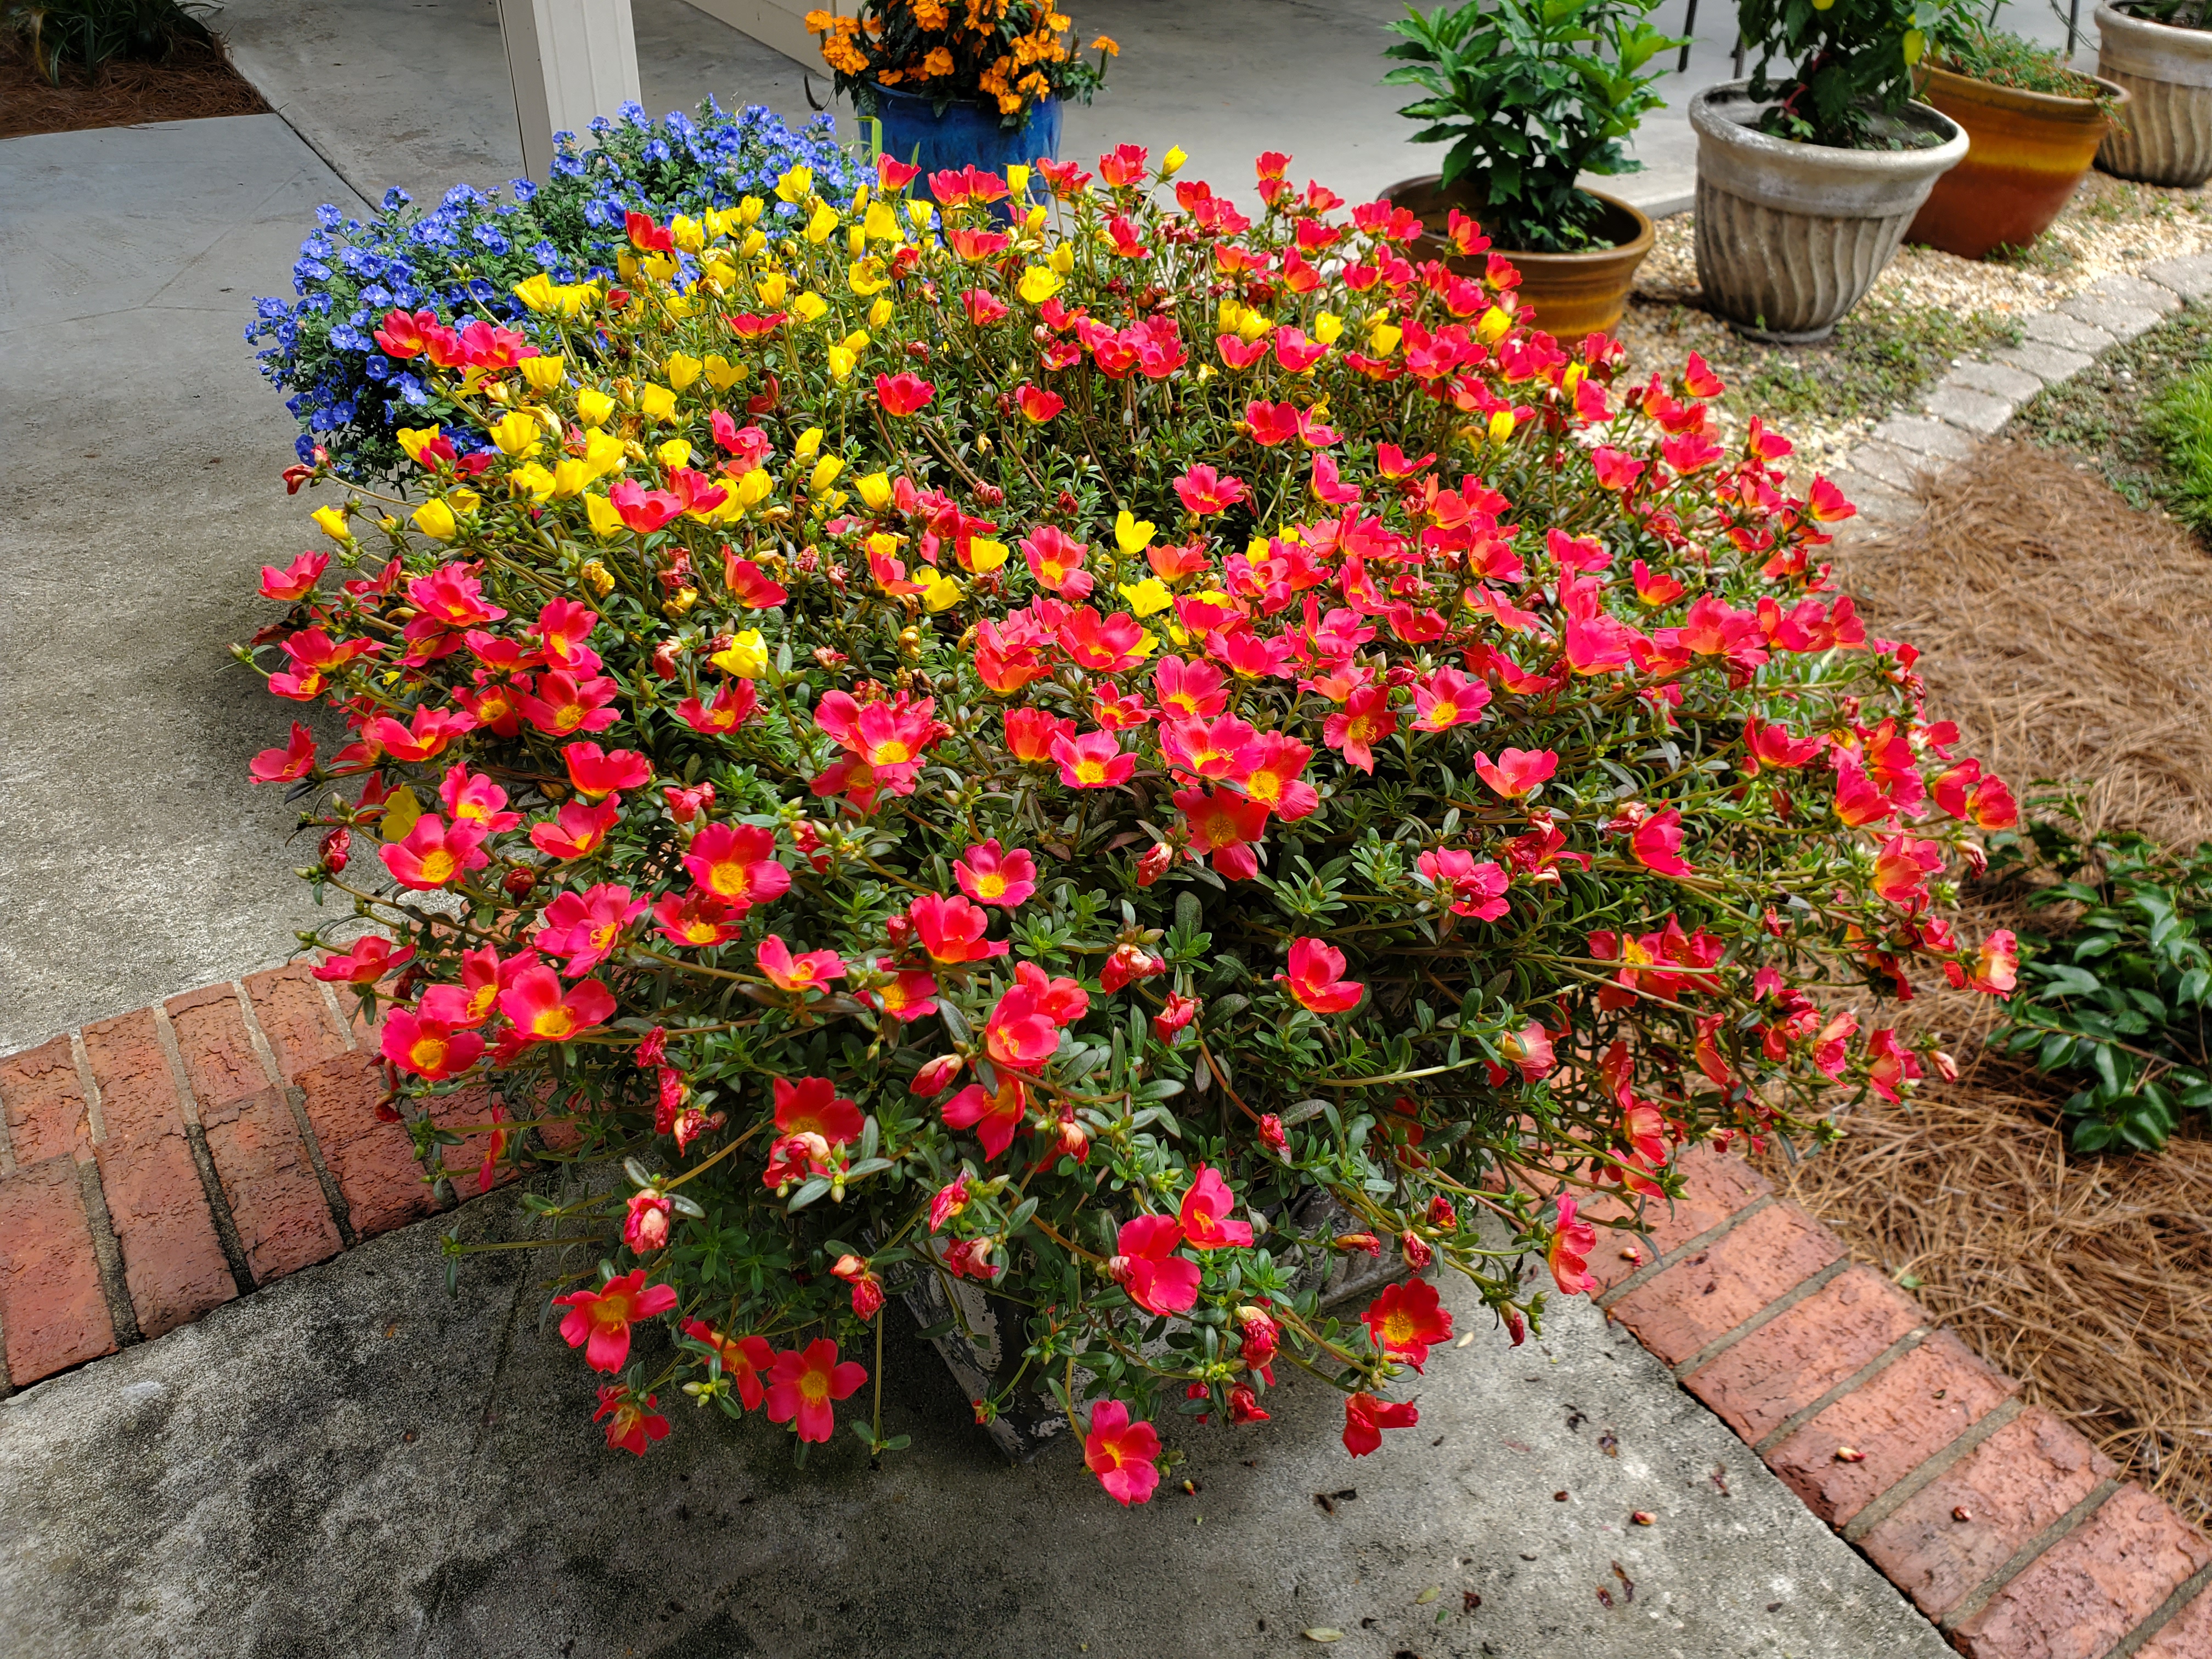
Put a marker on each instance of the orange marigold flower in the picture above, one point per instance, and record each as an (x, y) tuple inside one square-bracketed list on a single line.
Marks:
[(818, 22), (1106, 43), (939, 62)]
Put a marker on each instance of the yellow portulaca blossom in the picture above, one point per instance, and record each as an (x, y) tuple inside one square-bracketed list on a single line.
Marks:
[(772, 286), (1493, 325), (940, 595), (880, 223), (821, 223), (868, 276), (856, 240), (415, 439), (809, 307), (517, 434), (1171, 163), (1383, 337), (754, 242), (687, 233), (1034, 221), (756, 486), (1328, 326), (532, 480), (875, 489), (1147, 597), (1501, 426), (593, 406), (746, 657), (603, 453), (682, 369), (543, 374), (542, 294), (922, 214), (677, 452), (597, 577), (795, 185), (843, 360), (825, 473), (750, 209), (1063, 259), (1038, 284), (809, 445), (332, 522), (434, 518), (880, 313), (882, 543), (984, 554), (656, 402), (722, 373), (606, 523), (569, 478), (1132, 534)]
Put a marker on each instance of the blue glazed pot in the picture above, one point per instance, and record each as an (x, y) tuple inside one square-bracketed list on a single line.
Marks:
[(966, 135)]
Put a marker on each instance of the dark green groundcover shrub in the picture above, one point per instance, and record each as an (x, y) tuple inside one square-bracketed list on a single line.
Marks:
[(1024, 751)]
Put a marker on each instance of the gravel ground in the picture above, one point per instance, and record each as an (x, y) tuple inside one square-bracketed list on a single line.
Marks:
[(1926, 311)]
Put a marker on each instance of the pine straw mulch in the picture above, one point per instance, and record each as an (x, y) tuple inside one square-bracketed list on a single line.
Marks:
[(197, 81), (2070, 636)]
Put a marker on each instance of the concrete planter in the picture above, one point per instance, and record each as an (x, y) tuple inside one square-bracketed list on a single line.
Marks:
[(1791, 236), (2166, 138), (1571, 294), (2029, 151)]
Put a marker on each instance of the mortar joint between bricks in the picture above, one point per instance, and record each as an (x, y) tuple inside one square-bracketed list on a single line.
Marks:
[(2027, 1555), (95, 1120), (296, 1099)]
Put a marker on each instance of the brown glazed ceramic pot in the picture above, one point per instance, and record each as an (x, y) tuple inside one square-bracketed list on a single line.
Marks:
[(1571, 294), (2027, 151)]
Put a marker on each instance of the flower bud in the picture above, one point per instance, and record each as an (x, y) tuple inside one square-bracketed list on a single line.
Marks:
[(935, 1077), (336, 848), (1272, 1135), (1442, 1214), (1416, 1250), (1154, 864), (1350, 1242), (664, 658), (646, 1227), (519, 882)]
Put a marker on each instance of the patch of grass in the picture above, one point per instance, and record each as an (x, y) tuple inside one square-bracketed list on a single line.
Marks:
[(2047, 255), (2106, 413), (1881, 357), (2181, 421)]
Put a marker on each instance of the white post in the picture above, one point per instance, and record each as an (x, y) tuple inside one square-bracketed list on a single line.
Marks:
[(569, 60)]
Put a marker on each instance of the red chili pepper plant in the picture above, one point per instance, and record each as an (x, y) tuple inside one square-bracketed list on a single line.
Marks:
[(1020, 750)]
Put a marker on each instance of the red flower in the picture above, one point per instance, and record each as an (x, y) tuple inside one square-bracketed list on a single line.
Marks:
[(1226, 826), (642, 509), (809, 972), (1317, 978), (902, 394), (1516, 771), (1055, 559), (1568, 1255), (598, 1321), (1093, 761), (542, 1014), (867, 1289), (912, 994), (951, 929), (994, 1117), (1171, 1020), (1205, 491), (578, 832), (647, 236), (1146, 1265), (1037, 405), (802, 1384), (587, 927), (1657, 844), (1204, 1207), (742, 1358), (1902, 868), (1890, 1064), (1125, 164), (432, 855), (737, 864), (372, 958), (1120, 1452), (1272, 1136), (1244, 1405), (1031, 734), (1365, 720), (813, 1106), (988, 874), (429, 1049), (596, 774), (287, 764), (635, 1423), (1126, 963), (1365, 1417), (1996, 971), (1407, 1320), (1105, 645), (1477, 890)]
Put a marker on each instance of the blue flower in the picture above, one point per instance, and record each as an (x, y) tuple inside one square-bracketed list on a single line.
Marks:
[(328, 217), (396, 198), (523, 190)]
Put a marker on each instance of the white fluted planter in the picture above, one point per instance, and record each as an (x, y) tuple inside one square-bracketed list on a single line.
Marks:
[(2166, 138), (1791, 236)]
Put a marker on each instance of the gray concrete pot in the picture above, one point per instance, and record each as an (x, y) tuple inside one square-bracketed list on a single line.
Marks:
[(1791, 236), (2166, 137)]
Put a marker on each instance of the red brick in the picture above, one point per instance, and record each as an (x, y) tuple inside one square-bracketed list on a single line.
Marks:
[(275, 1200), (50, 1300), (1720, 1184), (173, 1261), (1708, 1294), (465, 1163), (1793, 1359), (2011, 1487), (2091, 1587), (44, 1102), (289, 1002), (2187, 1635), (221, 1065), (1901, 1419), (373, 1161), (561, 1136)]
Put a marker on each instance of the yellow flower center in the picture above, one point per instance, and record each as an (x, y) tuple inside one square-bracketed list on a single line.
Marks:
[(439, 866)]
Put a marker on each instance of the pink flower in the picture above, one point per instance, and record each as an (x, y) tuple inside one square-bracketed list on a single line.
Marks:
[(1657, 844), (1407, 1320), (432, 855), (1122, 1453), (542, 1014), (994, 1117), (1516, 771), (1317, 978), (1448, 698), (598, 1321), (1204, 1207), (990, 874), (812, 971), (737, 863), (953, 929), (635, 1424), (1477, 890), (587, 927), (428, 1049), (813, 1106), (644, 1228), (1204, 491), (802, 1383), (289, 764), (371, 959), (1093, 761), (1146, 1265), (1568, 1255)]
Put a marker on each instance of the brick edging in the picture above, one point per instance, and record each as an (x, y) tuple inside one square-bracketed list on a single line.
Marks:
[(1977, 399), (2004, 1525)]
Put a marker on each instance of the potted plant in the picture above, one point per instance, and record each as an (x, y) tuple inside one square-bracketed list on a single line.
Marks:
[(956, 85), (2161, 51), (1806, 181), (1531, 95), (2033, 127)]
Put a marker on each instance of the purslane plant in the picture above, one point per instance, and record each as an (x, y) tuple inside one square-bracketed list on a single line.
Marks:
[(1021, 749)]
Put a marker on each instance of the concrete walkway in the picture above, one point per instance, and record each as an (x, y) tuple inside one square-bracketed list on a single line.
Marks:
[(139, 496), (348, 1462)]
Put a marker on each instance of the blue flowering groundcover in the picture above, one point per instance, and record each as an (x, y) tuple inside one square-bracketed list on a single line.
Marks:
[(462, 259)]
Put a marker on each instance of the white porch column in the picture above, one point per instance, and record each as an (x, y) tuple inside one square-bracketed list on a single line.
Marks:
[(569, 60)]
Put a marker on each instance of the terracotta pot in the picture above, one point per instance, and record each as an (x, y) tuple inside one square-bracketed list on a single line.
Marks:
[(2168, 136), (1571, 294), (2029, 151), (1790, 235)]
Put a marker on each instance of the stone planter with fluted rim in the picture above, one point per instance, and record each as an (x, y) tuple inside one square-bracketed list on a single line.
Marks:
[(2166, 138), (1789, 236)]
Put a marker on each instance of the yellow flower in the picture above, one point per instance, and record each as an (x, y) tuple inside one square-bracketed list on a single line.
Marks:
[(856, 240), (940, 595), (771, 286), (1033, 221), (754, 242), (875, 489), (332, 521), (921, 213), (543, 374), (867, 277), (881, 223), (1063, 259), (1018, 180), (843, 360), (808, 444), (682, 369), (464, 500), (1133, 535), (1915, 41), (603, 453), (1327, 326), (593, 406), (939, 62), (826, 504), (657, 402), (606, 521), (516, 433), (687, 233), (984, 554), (825, 473), (596, 577), (436, 518), (880, 313), (722, 373), (532, 480), (537, 293), (756, 486), (750, 209), (747, 656), (820, 223), (1501, 426), (1171, 163), (1383, 337), (415, 440), (795, 185), (677, 452), (1493, 325), (569, 478), (1038, 284), (1147, 597)]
